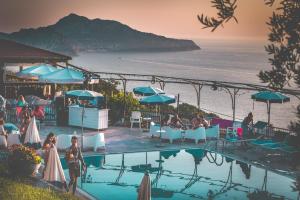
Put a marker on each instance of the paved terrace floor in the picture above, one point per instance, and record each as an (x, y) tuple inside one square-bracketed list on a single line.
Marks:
[(123, 139)]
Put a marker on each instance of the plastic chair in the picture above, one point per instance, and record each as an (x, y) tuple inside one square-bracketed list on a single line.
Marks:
[(196, 134), (171, 134), (136, 118)]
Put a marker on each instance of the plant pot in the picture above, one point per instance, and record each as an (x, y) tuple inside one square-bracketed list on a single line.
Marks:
[(36, 168)]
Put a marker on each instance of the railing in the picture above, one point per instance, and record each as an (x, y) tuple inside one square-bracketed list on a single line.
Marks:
[(50, 113)]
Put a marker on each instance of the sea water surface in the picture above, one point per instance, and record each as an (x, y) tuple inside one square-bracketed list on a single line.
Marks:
[(221, 60)]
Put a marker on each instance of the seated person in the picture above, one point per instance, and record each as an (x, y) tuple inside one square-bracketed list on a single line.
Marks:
[(176, 122), (199, 121), (2, 130)]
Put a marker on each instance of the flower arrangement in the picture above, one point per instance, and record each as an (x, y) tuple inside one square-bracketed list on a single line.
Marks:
[(22, 160)]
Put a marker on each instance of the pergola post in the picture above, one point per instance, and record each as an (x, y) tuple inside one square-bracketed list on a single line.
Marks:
[(233, 95), (2, 79), (124, 82), (198, 94)]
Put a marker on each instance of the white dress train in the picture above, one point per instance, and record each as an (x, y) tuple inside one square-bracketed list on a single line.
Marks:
[(54, 171)]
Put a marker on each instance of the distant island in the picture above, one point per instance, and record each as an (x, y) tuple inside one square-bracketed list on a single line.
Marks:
[(74, 34)]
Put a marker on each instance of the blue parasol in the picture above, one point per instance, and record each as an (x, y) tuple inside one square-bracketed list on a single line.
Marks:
[(158, 99), (63, 76), (84, 94), (147, 91), (270, 97), (35, 71)]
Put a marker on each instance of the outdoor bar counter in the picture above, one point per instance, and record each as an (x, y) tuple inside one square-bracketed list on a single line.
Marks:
[(93, 118)]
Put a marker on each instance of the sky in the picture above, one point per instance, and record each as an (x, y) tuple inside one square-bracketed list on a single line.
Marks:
[(173, 18)]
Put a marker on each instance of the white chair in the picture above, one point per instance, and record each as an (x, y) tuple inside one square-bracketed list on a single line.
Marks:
[(3, 142), (196, 134), (213, 132), (154, 128), (170, 134), (94, 142), (136, 118), (63, 141), (13, 138)]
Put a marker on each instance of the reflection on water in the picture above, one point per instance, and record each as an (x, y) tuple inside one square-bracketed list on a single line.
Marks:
[(181, 174)]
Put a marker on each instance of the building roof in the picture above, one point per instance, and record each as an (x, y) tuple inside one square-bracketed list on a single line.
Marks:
[(14, 52)]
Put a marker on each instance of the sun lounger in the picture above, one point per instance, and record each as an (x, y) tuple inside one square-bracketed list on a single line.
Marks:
[(63, 141), (196, 134), (94, 142), (170, 134)]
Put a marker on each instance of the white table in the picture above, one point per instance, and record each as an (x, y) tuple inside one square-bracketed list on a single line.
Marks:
[(93, 118)]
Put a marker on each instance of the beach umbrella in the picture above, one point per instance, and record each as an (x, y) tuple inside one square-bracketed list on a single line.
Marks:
[(147, 91), (270, 97), (198, 154), (158, 99), (36, 101), (145, 188), (63, 76), (84, 94), (36, 71), (32, 137)]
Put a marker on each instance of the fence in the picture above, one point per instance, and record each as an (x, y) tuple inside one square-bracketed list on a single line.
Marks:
[(49, 110)]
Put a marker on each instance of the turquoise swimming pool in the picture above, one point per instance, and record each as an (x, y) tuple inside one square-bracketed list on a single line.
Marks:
[(181, 175)]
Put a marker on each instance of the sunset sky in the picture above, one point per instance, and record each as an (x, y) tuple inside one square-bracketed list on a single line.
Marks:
[(173, 18)]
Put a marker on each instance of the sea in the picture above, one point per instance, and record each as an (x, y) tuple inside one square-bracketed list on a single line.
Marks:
[(220, 60)]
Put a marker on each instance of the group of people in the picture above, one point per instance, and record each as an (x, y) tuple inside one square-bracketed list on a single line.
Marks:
[(24, 114), (176, 122), (73, 157)]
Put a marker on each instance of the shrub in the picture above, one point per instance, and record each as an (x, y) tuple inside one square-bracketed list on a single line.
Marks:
[(21, 160)]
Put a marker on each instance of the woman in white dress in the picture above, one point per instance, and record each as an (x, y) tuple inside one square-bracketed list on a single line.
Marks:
[(53, 170)]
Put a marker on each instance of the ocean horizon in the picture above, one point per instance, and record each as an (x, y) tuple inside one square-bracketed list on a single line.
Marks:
[(221, 60)]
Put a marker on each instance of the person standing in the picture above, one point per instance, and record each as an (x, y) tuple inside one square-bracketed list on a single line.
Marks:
[(247, 125), (74, 157)]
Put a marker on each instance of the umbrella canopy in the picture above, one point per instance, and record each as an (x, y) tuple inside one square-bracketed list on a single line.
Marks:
[(84, 94), (63, 76), (271, 97), (35, 71), (145, 188), (32, 137), (36, 101), (147, 91), (158, 99)]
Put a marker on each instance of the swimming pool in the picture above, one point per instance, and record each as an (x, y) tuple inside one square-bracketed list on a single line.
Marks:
[(181, 175)]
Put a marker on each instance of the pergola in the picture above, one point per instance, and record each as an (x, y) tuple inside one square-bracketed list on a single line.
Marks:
[(17, 54)]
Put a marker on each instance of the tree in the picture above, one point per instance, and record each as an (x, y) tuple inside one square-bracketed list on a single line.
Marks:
[(284, 42)]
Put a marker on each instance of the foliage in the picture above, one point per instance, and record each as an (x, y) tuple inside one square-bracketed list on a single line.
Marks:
[(116, 104), (284, 47), (21, 160), (23, 190), (225, 9), (188, 111)]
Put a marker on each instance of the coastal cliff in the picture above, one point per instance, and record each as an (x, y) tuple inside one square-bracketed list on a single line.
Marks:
[(74, 34)]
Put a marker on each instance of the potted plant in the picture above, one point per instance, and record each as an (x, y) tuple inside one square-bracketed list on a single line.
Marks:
[(23, 161)]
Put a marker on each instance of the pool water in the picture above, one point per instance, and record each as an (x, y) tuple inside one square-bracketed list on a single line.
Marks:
[(181, 175)]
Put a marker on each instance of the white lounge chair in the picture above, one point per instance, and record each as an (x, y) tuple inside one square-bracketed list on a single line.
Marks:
[(213, 132), (63, 141), (170, 134), (154, 128), (136, 118), (13, 138), (94, 142), (196, 134)]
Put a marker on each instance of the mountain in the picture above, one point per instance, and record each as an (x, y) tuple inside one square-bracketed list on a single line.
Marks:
[(73, 34)]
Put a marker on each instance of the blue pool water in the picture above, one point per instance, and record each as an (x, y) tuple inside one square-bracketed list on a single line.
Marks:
[(181, 175)]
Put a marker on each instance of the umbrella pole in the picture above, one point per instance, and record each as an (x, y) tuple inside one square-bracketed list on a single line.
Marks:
[(82, 114), (269, 115)]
